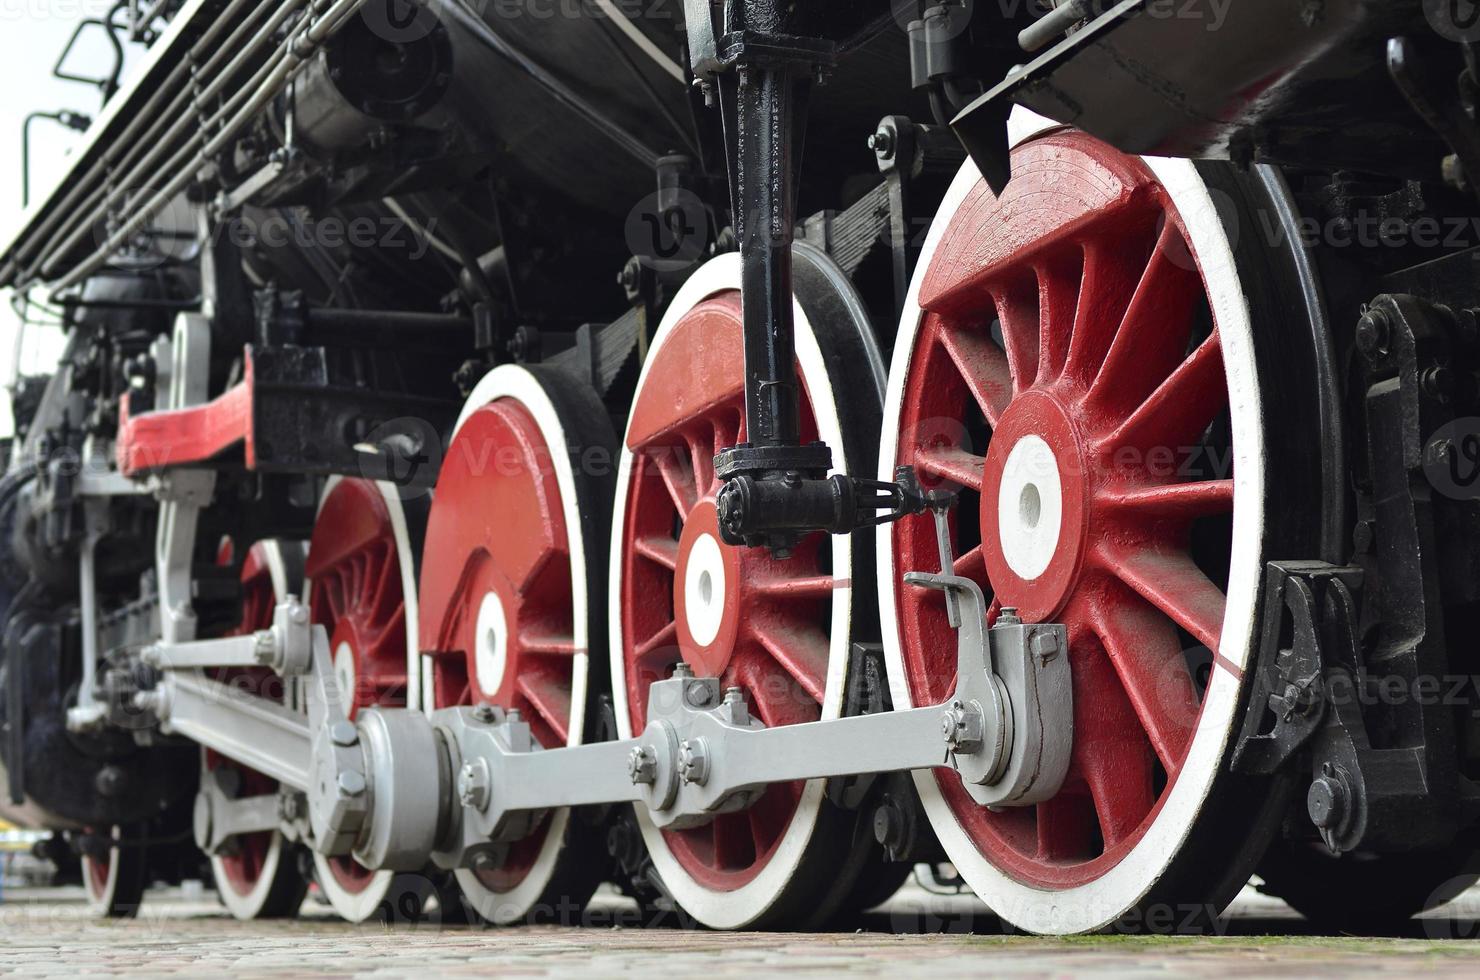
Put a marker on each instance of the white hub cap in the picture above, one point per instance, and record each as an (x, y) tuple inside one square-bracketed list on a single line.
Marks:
[(1030, 507), (344, 674), (492, 637), (704, 589)]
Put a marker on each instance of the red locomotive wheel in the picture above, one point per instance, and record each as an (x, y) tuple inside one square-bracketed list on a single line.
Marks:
[(777, 629), (257, 877), (514, 553), (115, 881), (1079, 360), (362, 589)]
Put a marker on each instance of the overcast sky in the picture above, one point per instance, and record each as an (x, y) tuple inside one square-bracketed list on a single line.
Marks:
[(32, 36)]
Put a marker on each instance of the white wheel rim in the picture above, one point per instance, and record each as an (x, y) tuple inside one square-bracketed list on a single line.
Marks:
[(100, 901), (743, 905), (357, 906), (1097, 904), (514, 382), (249, 905)]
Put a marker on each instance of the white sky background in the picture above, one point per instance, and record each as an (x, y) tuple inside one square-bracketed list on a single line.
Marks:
[(32, 36)]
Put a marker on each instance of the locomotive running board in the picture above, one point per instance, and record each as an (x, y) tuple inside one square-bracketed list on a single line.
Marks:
[(1006, 732)]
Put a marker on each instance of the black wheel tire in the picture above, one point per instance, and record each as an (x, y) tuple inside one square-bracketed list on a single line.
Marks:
[(1365, 894)]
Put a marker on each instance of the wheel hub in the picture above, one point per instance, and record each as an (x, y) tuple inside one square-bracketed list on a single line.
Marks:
[(344, 667), (706, 593), (1033, 513)]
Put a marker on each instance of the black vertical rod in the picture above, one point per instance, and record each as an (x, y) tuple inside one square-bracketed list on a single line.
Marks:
[(767, 152)]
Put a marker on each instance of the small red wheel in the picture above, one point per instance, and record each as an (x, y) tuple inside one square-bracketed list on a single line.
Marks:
[(1079, 358), (361, 571), (257, 876), (515, 551), (115, 878), (779, 630)]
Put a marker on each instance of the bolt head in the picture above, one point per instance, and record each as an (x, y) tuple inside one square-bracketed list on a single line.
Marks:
[(682, 669), (1326, 802), (351, 782), (344, 733), (882, 142), (473, 785), (1374, 331), (1008, 616)]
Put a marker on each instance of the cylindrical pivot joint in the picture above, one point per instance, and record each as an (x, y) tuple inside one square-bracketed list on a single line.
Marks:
[(749, 507)]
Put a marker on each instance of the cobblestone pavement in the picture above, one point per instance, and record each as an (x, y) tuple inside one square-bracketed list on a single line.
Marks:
[(49, 934)]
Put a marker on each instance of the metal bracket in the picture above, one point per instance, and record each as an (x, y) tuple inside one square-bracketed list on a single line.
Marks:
[(1317, 602)]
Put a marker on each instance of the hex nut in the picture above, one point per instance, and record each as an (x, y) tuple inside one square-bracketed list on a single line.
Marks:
[(642, 766), (693, 761), (962, 727)]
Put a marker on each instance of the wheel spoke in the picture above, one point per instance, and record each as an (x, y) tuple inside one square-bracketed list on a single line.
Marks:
[(1173, 584), (550, 700), (1017, 312), (734, 847), (548, 644), (1118, 772), (1174, 501), (804, 587), (801, 652), (701, 456), (677, 477), (972, 565), (952, 463), (1152, 337), (661, 551), (661, 645), (1143, 646), (1110, 280), (756, 671), (982, 365), (769, 814), (1066, 826), (1177, 413), (1058, 296)]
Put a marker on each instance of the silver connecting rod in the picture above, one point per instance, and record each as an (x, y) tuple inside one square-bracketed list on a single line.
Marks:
[(397, 787)]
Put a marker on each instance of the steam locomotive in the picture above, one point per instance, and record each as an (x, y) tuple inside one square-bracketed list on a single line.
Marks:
[(745, 451)]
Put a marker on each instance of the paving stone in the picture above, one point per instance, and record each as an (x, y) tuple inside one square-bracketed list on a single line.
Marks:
[(50, 934)]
